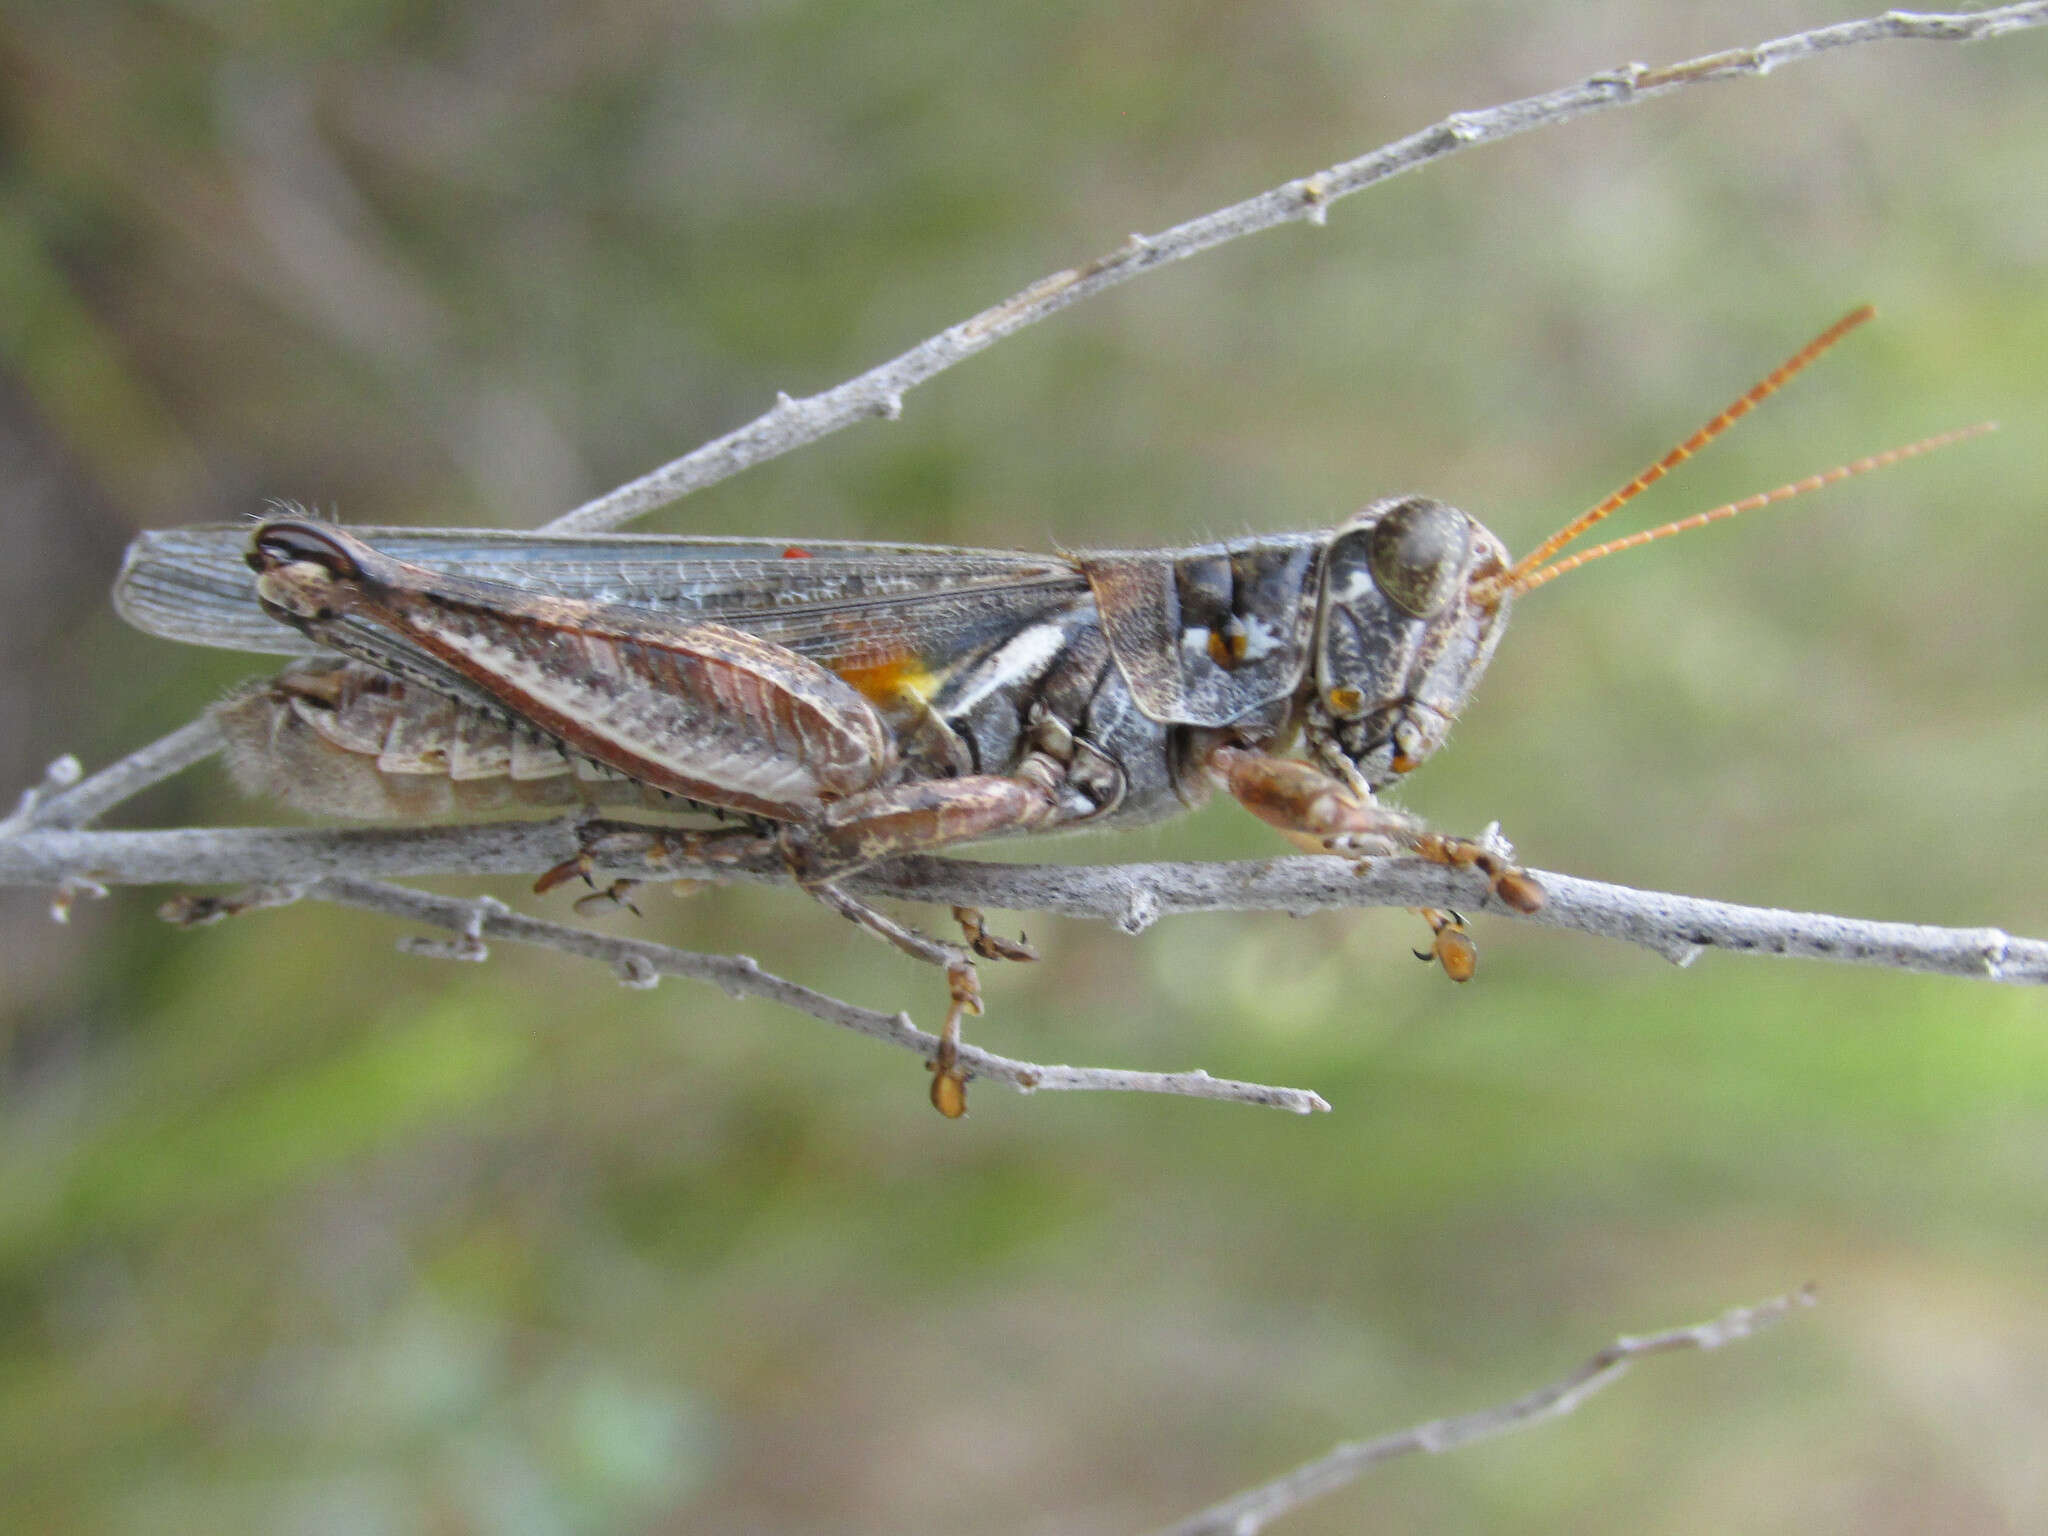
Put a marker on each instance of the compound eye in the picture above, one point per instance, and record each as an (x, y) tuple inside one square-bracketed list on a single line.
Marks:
[(282, 544), (1418, 553)]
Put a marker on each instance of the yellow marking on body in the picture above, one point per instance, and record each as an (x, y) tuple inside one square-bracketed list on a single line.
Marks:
[(891, 680)]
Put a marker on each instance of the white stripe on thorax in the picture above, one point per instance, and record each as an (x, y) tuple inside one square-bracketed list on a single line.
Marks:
[(1020, 659)]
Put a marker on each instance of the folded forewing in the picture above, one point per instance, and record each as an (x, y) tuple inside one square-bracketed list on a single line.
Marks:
[(849, 606)]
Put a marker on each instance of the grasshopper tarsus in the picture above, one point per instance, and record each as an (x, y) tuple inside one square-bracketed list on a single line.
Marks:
[(949, 1084), (1450, 946), (1512, 886), (1518, 889), (578, 866), (949, 1078), (991, 946)]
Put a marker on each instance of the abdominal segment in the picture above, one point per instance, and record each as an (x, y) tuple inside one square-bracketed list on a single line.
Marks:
[(337, 738)]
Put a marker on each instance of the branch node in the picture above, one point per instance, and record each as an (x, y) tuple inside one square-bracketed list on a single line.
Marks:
[(1432, 1439), (69, 889), (1495, 841), (1623, 78), (1465, 127), (190, 910), (637, 972), (889, 407), (465, 947), (59, 776), (740, 970), (1141, 909), (468, 944), (1314, 192)]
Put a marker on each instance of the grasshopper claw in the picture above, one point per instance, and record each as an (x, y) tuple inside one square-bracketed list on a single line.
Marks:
[(577, 867), (1450, 945), (610, 899)]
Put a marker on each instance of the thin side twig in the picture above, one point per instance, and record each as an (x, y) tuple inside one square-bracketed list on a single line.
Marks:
[(791, 423), (636, 962), (63, 800), (1251, 1511)]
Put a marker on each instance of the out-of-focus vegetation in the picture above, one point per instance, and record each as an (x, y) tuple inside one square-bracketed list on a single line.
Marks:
[(297, 1235)]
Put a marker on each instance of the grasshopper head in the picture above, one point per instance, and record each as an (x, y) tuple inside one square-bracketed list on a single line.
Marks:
[(1408, 620), (1415, 593)]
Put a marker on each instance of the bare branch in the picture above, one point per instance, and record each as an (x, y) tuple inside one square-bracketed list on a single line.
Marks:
[(1676, 927), (63, 800), (635, 962), (1133, 896), (792, 423), (1253, 1510)]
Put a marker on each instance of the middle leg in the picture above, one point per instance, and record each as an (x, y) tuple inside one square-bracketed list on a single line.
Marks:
[(920, 817)]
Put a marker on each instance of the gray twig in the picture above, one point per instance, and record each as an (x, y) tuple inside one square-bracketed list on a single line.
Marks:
[(1133, 896), (878, 393), (637, 962), (1251, 1511), (64, 800)]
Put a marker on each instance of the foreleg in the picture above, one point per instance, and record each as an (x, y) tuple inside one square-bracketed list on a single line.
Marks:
[(1321, 812)]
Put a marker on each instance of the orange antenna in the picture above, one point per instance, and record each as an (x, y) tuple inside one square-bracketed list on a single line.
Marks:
[(1515, 580), (1785, 492)]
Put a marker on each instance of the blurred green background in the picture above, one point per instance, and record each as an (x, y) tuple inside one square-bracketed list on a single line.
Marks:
[(297, 1235)]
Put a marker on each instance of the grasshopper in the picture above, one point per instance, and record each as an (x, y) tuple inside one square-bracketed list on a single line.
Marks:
[(856, 701)]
